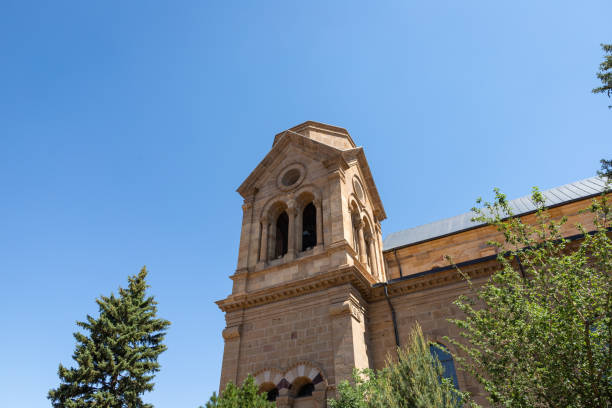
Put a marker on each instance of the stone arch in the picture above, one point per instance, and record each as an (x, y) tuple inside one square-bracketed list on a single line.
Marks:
[(268, 381), (308, 189), (274, 207), (305, 369)]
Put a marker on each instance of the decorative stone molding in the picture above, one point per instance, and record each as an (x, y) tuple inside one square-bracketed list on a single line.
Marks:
[(230, 333), (284, 379), (357, 276), (350, 306), (345, 274)]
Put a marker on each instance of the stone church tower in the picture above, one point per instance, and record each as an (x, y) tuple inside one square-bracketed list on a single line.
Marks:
[(316, 294), (310, 240)]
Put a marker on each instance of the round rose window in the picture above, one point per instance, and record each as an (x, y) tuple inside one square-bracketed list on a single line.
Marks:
[(290, 177)]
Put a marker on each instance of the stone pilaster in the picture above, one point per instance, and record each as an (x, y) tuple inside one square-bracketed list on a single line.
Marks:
[(347, 313), (265, 225), (231, 350)]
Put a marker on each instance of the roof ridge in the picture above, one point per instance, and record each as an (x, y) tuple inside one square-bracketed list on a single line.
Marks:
[(452, 225)]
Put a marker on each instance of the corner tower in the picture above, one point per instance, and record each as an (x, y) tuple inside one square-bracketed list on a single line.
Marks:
[(310, 246)]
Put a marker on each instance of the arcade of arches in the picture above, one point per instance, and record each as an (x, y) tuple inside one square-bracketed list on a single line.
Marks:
[(314, 287)]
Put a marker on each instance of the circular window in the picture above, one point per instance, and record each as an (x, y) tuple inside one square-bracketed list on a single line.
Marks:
[(290, 177), (358, 189)]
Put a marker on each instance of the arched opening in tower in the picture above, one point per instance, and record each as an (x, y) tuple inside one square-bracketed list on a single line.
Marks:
[(282, 234), (309, 227)]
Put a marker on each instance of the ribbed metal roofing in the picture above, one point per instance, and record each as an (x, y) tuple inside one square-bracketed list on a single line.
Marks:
[(569, 192)]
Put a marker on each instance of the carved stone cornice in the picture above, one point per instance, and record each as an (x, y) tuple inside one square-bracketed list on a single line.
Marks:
[(432, 279), (361, 280), (335, 277)]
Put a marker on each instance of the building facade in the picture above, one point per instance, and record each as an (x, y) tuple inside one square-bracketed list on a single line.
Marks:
[(317, 293)]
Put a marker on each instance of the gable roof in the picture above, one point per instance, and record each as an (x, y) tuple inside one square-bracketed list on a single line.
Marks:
[(324, 152), (567, 193)]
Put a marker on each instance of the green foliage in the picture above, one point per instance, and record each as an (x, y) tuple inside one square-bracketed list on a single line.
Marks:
[(245, 396), (412, 380), (538, 333), (605, 72), (117, 359), (606, 170)]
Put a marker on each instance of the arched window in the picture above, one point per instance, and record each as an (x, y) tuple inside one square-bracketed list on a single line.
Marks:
[(272, 394), (446, 359), (271, 391), (282, 233), (368, 254), (309, 227), (355, 222), (302, 387), (305, 390)]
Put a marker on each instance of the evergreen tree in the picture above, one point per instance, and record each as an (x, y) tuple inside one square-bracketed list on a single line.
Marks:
[(413, 380), (246, 396), (605, 72), (116, 360)]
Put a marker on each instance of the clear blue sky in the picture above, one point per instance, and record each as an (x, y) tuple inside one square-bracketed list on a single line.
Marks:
[(125, 128)]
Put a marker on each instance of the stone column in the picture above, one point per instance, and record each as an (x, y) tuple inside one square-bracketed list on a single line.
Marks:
[(291, 233), (284, 400), (374, 258), (263, 254), (319, 220), (363, 256), (299, 227)]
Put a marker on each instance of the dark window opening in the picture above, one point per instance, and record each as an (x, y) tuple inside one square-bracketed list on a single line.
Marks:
[(305, 390), (282, 233), (446, 359), (272, 394), (309, 227)]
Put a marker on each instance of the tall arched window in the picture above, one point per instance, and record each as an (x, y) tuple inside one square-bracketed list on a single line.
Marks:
[(309, 227), (446, 359), (355, 222), (282, 233)]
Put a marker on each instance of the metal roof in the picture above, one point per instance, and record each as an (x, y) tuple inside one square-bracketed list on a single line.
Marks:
[(569, 192)]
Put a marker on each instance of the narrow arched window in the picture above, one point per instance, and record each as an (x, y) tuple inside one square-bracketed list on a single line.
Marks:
[(282, 233), (446, 359), (369, 254), (355, 222), (305, 390), (309, 227)]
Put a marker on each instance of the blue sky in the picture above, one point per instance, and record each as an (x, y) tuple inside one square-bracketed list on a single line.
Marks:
[(125, 128)]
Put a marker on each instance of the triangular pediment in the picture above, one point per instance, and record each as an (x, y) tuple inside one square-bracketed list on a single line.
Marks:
[(310, 148)]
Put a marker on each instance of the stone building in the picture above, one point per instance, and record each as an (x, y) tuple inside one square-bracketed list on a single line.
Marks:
[(316, 292)]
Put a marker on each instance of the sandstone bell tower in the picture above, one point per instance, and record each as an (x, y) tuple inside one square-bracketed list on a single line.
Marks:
[(310, 246)]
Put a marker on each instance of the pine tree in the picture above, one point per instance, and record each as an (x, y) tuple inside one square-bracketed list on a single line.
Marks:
[(245, 396), (116, 360), (605, 72), (412, 380)]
